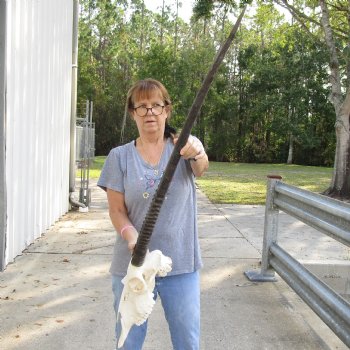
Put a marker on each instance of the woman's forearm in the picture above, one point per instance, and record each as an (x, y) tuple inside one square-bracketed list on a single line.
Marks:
[(200, 165), (119, 217)]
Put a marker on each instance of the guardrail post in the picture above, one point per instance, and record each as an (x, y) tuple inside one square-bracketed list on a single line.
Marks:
[(267, 274)]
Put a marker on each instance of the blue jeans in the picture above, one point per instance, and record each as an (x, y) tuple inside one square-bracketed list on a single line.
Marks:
[(180, 297)]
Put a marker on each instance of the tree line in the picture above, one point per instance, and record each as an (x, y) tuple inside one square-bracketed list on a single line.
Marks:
[(270, 101)]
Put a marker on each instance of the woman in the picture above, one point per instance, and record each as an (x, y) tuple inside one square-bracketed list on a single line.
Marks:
[(130, 176)]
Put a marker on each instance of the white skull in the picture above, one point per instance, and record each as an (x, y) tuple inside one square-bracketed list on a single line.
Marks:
[(137, 299)]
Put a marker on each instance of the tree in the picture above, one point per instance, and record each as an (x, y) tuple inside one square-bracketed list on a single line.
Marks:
[(336, 31), (268, 96), (336, 38)]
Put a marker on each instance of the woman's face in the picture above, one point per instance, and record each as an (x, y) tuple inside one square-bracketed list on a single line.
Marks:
[(150, 121)]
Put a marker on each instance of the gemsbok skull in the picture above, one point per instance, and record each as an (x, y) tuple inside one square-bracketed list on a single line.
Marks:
[(137, 298)]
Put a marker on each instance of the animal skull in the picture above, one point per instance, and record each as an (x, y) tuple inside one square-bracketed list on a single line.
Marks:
[(137, 299)]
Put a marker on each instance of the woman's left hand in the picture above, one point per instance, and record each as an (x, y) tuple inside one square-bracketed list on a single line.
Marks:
[(193, 149)]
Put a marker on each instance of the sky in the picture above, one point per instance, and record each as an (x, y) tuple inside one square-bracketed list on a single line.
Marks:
[(185, 11)]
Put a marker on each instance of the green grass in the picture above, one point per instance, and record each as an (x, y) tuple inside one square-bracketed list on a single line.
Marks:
[(242, 183), (96, 167), (246, 183)]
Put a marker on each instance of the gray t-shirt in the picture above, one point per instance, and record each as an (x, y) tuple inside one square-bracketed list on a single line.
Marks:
[(175, 232)]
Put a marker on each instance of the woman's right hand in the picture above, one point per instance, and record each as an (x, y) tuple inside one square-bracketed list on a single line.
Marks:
[(131, 235), (131, 245)]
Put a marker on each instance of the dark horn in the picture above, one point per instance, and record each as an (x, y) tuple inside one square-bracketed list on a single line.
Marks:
[(149, 222)]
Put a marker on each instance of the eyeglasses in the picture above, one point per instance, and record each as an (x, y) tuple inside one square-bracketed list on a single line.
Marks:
[(142, 111)]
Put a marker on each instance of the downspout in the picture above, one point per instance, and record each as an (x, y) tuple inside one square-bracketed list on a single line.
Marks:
[(3, 198), (73, 201)]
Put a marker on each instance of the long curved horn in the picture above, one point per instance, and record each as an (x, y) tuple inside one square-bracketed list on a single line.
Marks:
[(157, 201)]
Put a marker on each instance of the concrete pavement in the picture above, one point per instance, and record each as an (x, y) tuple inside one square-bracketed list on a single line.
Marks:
[(57, 295)]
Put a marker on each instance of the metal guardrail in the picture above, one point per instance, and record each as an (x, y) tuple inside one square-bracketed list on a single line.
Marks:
[(327, 215)]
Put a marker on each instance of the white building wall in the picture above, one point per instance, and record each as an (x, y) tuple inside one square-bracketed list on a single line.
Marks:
[(38, 81)]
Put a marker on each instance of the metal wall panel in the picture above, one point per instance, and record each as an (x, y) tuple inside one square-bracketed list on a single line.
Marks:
[(39, 56)]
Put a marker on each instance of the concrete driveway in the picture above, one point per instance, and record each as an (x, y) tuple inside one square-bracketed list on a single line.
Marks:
[(57, 295)]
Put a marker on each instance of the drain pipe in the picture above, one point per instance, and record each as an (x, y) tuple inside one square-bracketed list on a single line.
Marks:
[(73, 201), (3, 196)]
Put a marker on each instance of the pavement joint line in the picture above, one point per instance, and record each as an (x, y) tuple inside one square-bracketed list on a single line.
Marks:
[(92, 248), (232, 224), (59, 230), (221, 237), (63, 253), (226, 258)]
